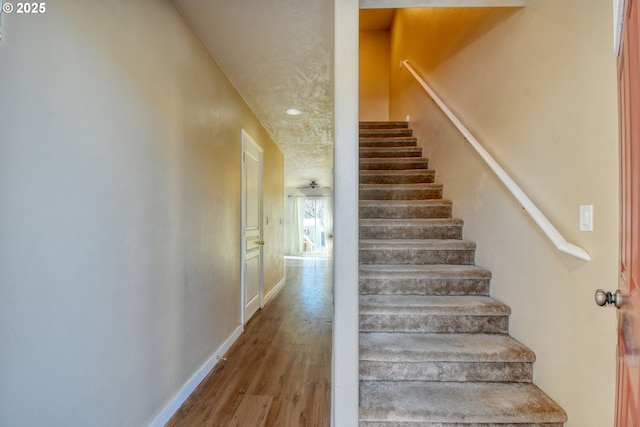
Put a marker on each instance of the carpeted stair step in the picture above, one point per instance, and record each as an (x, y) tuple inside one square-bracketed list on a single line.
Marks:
[(437, 404), (384, 125), (434, 346), (434, 208), (390, 152), (372, 163), (444, 357), (385, 133), (406, 176), (427, 251), (433, 314), (434, 279), (396, 141), (420, 191), (432, 228)]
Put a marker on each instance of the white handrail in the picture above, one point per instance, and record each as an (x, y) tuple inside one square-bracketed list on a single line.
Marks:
[(542, 221)]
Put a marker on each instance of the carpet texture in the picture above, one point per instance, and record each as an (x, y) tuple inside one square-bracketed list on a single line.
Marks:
[(434, 345)]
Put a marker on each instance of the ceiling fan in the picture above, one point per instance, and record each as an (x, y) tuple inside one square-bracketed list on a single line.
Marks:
[(312, 184)]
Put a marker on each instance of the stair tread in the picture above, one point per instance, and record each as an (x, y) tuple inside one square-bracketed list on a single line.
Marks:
[(407, 186), (421, 347), (430, 305), (438, 402), (393, 159), (383, 133), (391, 138), (423, 279), (424, 271), (390, 152), (402, 203), (391, 149), (383, 124), (386, 163), (420, 244), (396, 171), (410, 228), (366, 139), (382, 130), (394, 222), (396, 176), (436, 207)]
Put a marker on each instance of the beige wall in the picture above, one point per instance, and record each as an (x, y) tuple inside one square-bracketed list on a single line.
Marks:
[(374, 75), (273, 208), (537, 87), (120, 150)]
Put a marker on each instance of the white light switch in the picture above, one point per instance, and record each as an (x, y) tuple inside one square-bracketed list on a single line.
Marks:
[(586, 218)]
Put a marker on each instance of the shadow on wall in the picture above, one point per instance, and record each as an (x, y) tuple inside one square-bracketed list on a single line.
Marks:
[(449, 29)]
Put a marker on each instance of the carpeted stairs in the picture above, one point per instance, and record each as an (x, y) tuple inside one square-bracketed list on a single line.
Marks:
[(434, 346)]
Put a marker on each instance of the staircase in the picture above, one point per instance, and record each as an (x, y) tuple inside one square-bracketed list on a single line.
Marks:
[(434, 346)]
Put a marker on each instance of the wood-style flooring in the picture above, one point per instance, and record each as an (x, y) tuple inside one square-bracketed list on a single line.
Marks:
[(278, 372)]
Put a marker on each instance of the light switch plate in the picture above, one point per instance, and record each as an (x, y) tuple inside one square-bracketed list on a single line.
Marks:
[(586, 218)]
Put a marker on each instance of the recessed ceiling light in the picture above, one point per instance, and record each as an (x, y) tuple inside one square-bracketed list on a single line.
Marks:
[(293, 111)]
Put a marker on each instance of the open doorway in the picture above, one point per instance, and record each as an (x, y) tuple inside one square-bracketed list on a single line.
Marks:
[(314, 234), (309, 226)]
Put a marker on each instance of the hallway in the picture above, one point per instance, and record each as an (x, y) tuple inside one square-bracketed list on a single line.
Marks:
[(278, 373)]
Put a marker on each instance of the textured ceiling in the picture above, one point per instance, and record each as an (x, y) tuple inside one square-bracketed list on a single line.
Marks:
[(278, 54)]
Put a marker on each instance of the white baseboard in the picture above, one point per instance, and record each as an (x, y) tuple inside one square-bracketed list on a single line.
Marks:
[(274, 291), (193, 382)]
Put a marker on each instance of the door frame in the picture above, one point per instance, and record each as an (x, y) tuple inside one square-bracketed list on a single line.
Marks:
[(247, 139), (626, 13)]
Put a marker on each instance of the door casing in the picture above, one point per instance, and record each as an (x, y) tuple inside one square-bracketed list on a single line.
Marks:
[(628, 368), (250, 236)]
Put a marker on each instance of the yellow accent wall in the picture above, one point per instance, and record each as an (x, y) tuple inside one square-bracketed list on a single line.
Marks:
[(120, 193), (374, 75), (537, 87)]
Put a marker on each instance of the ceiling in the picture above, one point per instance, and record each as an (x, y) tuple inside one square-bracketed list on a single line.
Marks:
[(278, 54)]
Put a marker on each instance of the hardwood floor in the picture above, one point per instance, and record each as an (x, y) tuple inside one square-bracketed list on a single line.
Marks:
[(278, 372)]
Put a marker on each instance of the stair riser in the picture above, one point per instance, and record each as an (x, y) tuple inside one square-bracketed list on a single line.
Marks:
[(391, 286), (400, 194), (384, 125), (390, 133), (388, 142), (422, 178), (396, 212), (417, 256), (393, 164), (411, 232), (441, 324), (390, 153), (520, 372)]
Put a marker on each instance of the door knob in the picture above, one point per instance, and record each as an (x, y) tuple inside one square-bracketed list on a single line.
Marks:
[(607, 298), (261, 242)]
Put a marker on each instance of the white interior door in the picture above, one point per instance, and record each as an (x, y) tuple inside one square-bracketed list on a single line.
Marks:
[(252, 243)]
